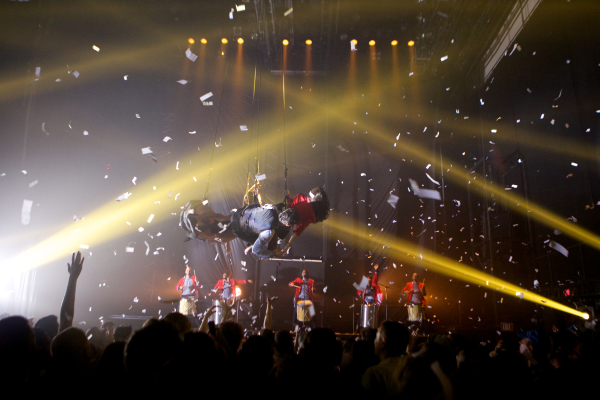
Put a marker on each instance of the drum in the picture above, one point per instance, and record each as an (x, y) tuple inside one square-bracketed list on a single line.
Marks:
[(415, 312), (368, 316), (217, 317), (303, 310), (187, 306)]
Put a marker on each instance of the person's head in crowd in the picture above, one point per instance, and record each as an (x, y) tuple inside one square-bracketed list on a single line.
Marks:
[(123, 333), (269, 334), (289, 217), (233, 334), (528, 341), (284, 345), (71, 351), (318, 194), (391, 340), (150, 351), (48, 324), (98, 340), (322, 349), (149, 322), (368, 335), (108, 328), (17, 349), (256, 355), (180, 322)]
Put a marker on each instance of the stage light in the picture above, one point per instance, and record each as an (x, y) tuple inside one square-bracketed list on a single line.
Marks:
[(223, 40), (372, 43), (238, 292), (411, 43), (354, 42), (191, 41), (394, 42), (240, 40), (308, 41), (203, 41), (285, 42), (586, 316)]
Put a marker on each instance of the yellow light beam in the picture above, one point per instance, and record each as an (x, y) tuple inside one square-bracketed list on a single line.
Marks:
[(407, 252)]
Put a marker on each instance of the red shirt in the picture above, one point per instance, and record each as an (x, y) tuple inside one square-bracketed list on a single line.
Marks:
[(298, 282), (194, 282), (409, 287), (219, 285), (378, 293), (301, 204)]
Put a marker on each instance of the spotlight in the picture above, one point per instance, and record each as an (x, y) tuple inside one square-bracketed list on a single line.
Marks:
[(308, 41), (240, 40), (411, 43), (191, 41), (354, 42), (394, 42), (238, 292), (203, 41), (285, 42), (372, 43), (586, 316), (223, 40)]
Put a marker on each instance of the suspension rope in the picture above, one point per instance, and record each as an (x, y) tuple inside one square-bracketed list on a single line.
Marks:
[(286, 194), (205, 198)]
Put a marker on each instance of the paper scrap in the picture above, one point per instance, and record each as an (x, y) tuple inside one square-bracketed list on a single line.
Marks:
[(146, 150), (150, 218), (182, 81), (261, 177), (129, 249), (148, 251), (190, 55), (240, 8), (32, 184), (424, 193), (363, 284), (558, 247), (75, 74), (393, 200), (96, 48), (123, 196), (84, 246), (432, 180), (288, 12), (44, 128), (166, 139), (26, 212), (243, 128), (206, 96)]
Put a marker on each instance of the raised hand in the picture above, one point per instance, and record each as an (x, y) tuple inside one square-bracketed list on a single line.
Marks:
[(76, 265)]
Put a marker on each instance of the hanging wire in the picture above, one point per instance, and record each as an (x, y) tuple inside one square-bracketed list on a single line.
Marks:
[(285, 169), (212, 155)]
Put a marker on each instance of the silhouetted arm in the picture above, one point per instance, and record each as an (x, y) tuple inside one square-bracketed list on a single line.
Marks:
[(67, 310)]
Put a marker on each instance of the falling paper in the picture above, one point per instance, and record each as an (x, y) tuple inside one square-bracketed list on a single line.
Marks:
[(206, 96), (363, 284), (146, 150), (559, 248), (288, 12), (129, 249), (182, 81), (134, 179), (44, 128), (207, 103), (325, 289), (341, 148), (26, 212), (84, 246), (392, 200), (166, 139), (150, 218), (37, 73), (190, 55), (231, 14), (96, 48), (243, 128), (123, 196), (240, 8), (148, 251), (352, 47), (424, 193), (444, 58), (32, 184), (431, 179), (75, 74), (261, 177)]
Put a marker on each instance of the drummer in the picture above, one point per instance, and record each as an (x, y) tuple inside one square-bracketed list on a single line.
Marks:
[(416, 293), (372, 294), (304, 290), (226, 286)]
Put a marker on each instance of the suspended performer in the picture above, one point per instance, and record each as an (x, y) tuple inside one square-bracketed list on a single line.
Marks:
[(261, 227), (311, 209), (201, 222)]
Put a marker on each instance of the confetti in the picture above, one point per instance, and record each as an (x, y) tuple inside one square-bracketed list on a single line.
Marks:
[(243, 128), (150, 218), (206, 96), (182, 81), (96, 48), (129, 249), (424, 193), (190, 55), (26, 212), (240, 8), (392, 200), (123, 196), (558, 247), (166, 139), (288, 12)]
